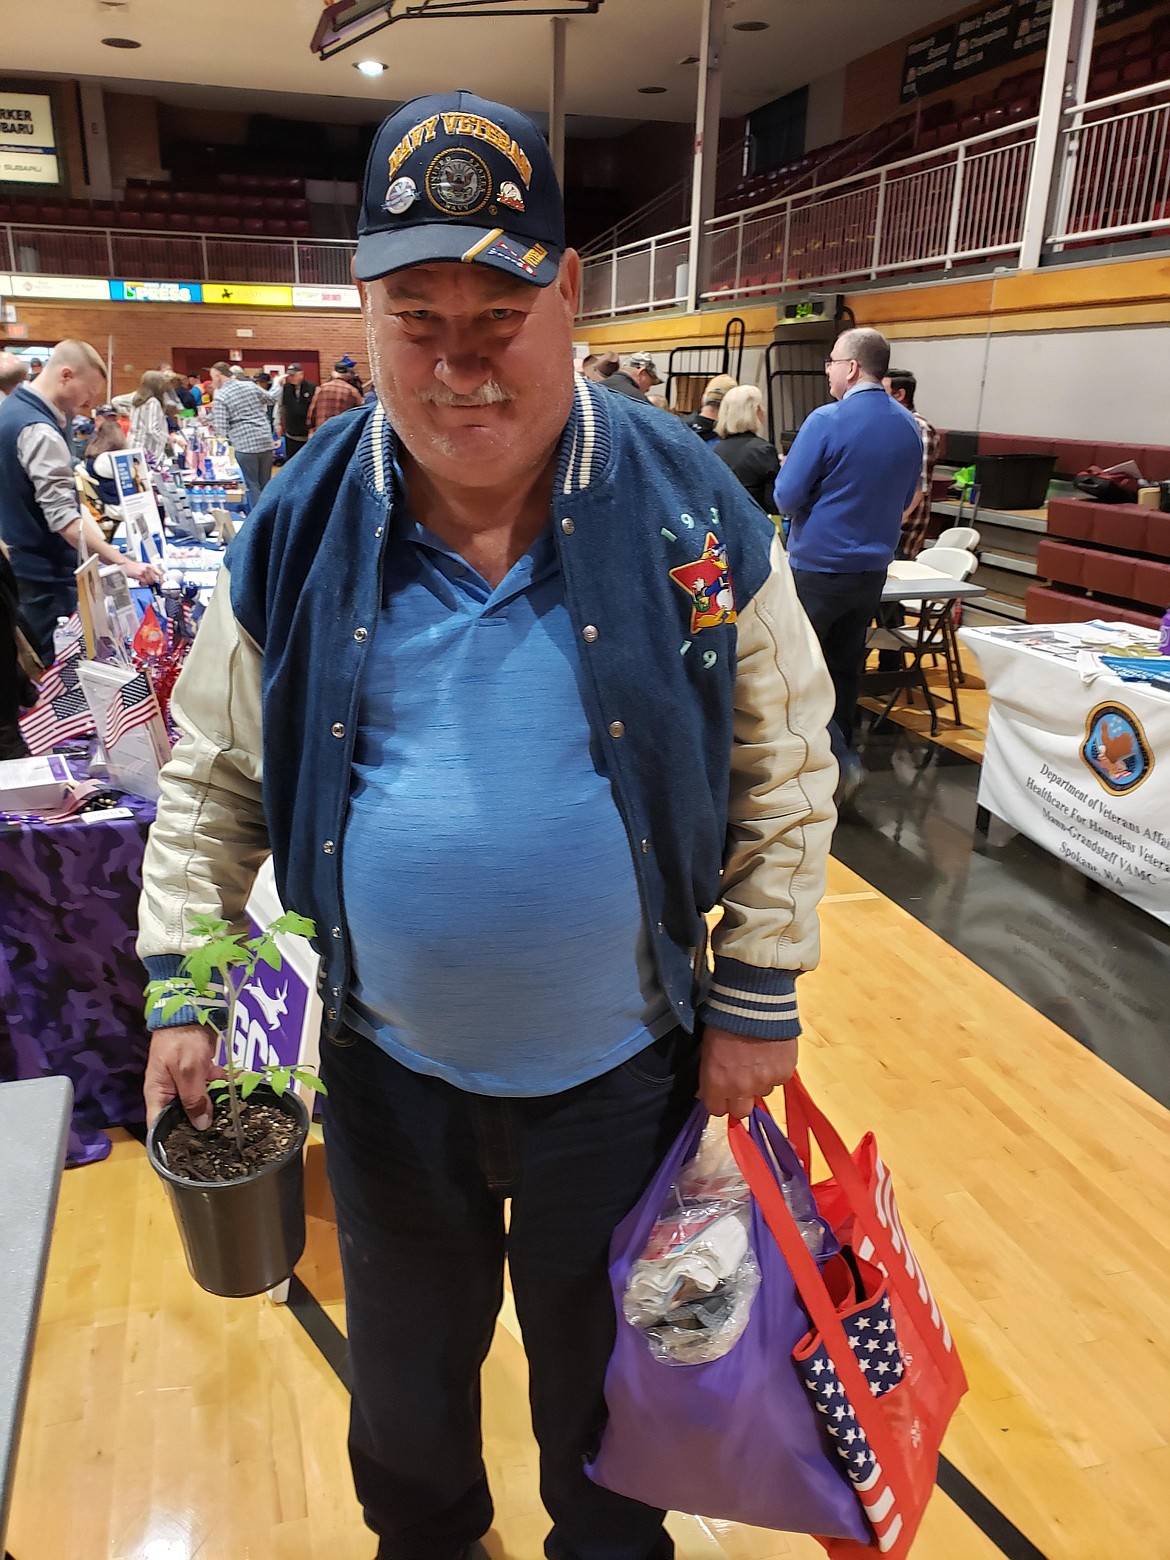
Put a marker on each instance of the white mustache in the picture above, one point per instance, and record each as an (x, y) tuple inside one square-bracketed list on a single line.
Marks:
[(489, 394)]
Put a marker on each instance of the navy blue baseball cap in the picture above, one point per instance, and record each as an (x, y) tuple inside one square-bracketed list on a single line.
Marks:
[(455, 177)]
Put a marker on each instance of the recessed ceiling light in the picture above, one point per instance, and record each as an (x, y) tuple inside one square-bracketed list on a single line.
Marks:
[(651, 91), (749, 26), (369, 67), (121, 43)]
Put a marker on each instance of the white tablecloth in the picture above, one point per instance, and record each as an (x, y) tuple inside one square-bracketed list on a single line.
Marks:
[(1082, 768)]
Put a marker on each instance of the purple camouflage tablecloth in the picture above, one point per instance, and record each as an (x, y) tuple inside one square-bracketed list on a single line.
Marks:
[(70, 983)]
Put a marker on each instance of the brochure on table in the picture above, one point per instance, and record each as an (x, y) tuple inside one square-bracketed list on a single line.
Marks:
[(145, 537), (1076, 758), (135, 758)]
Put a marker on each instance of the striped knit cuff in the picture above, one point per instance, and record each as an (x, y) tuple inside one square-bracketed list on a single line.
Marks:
[(163, 966), (758, 1004)]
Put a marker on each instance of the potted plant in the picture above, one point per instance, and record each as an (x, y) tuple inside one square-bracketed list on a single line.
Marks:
[(237, 1189)]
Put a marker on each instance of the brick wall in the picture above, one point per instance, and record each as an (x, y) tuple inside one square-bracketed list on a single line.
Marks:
[(146, 334)]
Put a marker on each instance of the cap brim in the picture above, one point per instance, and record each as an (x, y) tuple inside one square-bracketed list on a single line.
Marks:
[(380, 254)]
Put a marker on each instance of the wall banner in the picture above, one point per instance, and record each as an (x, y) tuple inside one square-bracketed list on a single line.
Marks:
[(28, 142)]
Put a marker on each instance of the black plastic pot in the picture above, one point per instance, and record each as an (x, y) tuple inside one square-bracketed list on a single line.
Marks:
[(239, 1237)]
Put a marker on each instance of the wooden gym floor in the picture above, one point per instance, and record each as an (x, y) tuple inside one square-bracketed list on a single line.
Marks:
[(163, 1424)]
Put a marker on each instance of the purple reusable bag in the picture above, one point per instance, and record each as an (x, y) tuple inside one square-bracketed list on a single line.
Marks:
[(737, 1437)]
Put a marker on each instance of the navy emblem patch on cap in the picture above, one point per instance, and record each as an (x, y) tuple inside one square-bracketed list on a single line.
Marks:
[(453, 177), (458, 183)]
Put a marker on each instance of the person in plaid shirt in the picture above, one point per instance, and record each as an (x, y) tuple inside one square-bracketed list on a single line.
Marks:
[(901, 385), (334, 396)]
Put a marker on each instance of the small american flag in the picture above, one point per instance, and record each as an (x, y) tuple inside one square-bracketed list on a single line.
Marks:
[(60, 711), (133, 705)]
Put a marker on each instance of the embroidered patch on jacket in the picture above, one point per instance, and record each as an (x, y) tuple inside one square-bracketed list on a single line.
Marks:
[(707, 582)]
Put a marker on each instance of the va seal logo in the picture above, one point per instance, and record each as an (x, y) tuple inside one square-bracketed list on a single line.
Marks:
[(1115, 749), (707, 582), (458, 183)]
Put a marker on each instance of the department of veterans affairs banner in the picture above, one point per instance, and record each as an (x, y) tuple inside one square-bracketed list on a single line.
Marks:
[(1082, 769)]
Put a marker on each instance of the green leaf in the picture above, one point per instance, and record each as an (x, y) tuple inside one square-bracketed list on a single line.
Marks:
[(207, 926), (215, 1084), (279, 1078), (199, 965), (249, 1083), (294, 925), (172, 1005), (310, 1080), (271, 955)]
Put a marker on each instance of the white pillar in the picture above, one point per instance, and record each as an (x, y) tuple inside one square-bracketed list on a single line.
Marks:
[(706, 144), (1067, 33), (97, 146), (556, 98)]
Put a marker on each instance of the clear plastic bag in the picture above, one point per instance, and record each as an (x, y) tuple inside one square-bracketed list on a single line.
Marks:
[(691, 1291)]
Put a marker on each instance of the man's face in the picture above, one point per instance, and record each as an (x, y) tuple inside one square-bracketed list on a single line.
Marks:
[(474, 367), (295, 379), (218, 379), (643, 379), (80, 388), (894, 395), (840, 371)]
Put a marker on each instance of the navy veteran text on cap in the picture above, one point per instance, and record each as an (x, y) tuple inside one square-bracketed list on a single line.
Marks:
[(454, 177)]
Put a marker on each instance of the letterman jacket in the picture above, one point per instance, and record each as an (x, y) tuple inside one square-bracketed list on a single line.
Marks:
[(704, 686)]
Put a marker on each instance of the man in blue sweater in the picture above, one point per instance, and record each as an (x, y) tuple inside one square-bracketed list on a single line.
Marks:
[(852, 472)]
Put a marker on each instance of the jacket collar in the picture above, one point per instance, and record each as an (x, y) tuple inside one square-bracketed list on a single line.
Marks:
[(584, 452)]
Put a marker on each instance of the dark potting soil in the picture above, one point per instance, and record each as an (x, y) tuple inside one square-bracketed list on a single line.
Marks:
[(213, 1155)]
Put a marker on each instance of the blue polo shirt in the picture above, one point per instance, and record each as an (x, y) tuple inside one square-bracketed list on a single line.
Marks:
[(487, 877)]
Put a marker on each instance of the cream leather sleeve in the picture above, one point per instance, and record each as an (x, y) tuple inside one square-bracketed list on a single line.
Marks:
[(780, 815), (209, 838)]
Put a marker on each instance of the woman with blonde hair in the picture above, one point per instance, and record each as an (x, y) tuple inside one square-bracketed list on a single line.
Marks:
[(741, 444)]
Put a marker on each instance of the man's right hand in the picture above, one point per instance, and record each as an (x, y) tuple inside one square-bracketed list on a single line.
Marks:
[(180, 1066)]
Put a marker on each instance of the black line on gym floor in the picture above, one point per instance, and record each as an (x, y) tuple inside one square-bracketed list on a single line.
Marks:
[(322, 1329), (988, 1518), (972, 1502)]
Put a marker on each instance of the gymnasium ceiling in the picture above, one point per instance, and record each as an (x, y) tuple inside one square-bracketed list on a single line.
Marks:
[(250, 48)]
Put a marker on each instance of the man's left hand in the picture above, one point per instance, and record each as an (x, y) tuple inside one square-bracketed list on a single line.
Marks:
[(142, 573), (734, 1070)]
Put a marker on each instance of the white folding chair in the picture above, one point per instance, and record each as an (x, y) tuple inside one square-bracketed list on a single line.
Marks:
[(955, 562), (965, 536)]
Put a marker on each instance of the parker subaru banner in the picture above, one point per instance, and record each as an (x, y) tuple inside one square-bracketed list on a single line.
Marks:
[(28, 142)]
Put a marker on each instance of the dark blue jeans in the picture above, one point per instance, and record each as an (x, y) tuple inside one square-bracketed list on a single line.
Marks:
[(840, 608), (420, 1171)]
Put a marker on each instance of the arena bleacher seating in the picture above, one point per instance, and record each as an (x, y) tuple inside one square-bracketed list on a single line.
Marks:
[(255, 205), (1117, 66)]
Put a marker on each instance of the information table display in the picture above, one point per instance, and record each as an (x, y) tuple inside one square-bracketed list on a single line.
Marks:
[(1077, 758)]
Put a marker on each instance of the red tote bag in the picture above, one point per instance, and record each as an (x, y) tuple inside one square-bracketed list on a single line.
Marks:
[(879, 1362)]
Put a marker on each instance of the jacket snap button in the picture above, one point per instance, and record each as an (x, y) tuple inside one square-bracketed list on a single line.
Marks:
[(379, 531), (645, 847), (337, 729), (331, 1014), (328, 847), (661, 928), (589, 634), (360, 635), (617, 728), (337, 931), (567, 526)]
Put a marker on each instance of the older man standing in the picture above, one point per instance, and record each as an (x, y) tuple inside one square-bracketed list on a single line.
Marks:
[(12, 373), (522, 725), (338, 394), (41, 519), (852, 471), (240, 414), (636, 377)]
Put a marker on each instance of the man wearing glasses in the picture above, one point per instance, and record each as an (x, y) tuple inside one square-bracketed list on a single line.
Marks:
[(852, 472)]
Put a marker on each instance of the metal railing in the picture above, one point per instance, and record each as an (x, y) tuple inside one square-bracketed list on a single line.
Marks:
[(183, 257), (649, 274), (1115, 174), (672, 207), (959, 203)]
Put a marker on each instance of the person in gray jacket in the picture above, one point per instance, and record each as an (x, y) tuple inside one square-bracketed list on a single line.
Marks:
[(510, 678)]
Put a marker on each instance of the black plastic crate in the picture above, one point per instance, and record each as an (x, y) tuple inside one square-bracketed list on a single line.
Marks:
[(1013, 481)]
